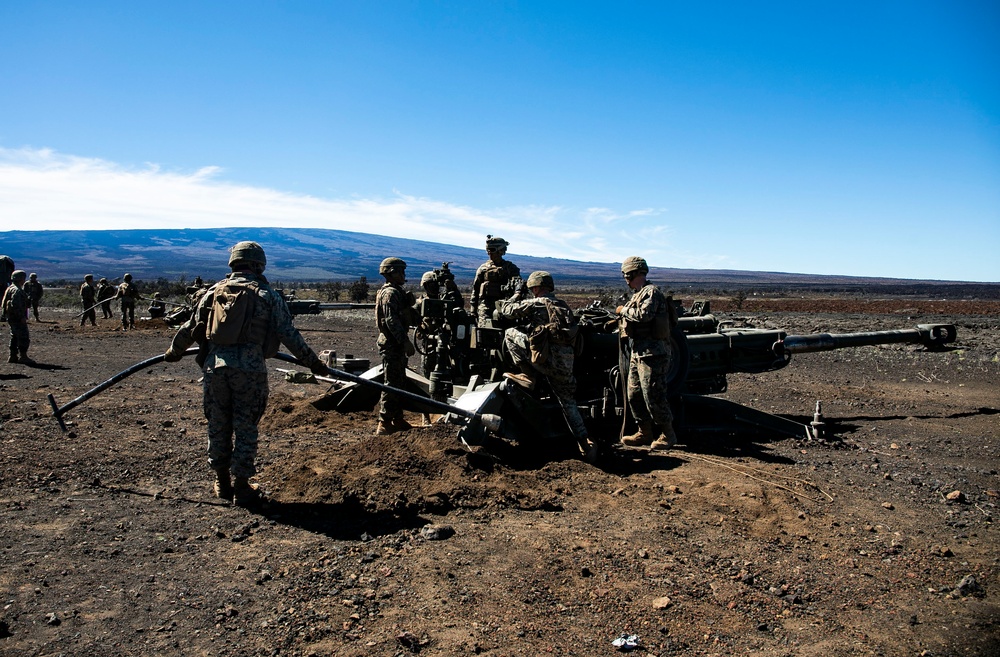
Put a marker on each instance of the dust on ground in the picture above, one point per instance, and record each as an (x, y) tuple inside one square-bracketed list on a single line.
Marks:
[(878, 542)]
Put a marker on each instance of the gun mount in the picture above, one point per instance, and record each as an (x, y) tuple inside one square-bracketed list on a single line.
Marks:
[(470, 363)]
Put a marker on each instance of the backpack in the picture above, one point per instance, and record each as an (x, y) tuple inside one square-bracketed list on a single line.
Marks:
[(231, 317), (562, 328)]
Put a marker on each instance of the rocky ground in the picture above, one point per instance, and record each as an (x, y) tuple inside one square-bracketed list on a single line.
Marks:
[(878, 542)]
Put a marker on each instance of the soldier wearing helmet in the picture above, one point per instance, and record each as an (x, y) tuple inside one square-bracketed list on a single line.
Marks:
[(646, 319), (87, 297), (239, 323), (15, 308), (394, 314), (105, 292), (34, 291), (492, 278), (128, 292), (156, 307), (545, 348)]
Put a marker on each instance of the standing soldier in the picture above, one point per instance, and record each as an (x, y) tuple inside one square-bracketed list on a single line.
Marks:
[(394, 314), (15, 307), (6, 269), (87, 297), (646, 319), (105, 292), (129, 294), (547, 349), (34, 291), (239, 323), (491, 279)]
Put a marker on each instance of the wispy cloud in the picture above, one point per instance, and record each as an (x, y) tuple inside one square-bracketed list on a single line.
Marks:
[(41, 189)]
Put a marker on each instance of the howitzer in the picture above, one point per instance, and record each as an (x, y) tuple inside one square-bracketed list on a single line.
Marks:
[(705, 352)]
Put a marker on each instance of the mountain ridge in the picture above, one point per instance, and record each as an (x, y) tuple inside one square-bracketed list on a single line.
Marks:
[(314, 254)]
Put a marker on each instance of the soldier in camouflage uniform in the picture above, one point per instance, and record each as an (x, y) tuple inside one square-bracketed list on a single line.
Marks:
[(553, 360), (15, 308), (646, 320), (87, 297), (105, 292), (34, 291), (394, 314), (129, 294), (491, 279), (235, 376), (6, 269)]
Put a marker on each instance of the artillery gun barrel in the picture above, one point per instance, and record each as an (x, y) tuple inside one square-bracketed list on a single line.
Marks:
[(932, 336), (346, 306)]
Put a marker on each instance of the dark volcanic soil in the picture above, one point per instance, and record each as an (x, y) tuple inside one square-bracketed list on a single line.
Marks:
[(880, 542)]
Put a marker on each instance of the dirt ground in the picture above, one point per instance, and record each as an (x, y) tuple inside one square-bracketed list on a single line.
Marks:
[(878, 542)]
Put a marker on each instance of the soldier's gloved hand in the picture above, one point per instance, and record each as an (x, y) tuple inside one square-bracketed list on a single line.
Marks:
[(319, 368), (409, 348), (618, 310), (173, 356)]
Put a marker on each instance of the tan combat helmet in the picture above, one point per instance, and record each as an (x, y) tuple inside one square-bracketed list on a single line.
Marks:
[(247, 252), (542, 278), (428, 277), (634, 263), (497, 244), (390, 265), (127, 278)]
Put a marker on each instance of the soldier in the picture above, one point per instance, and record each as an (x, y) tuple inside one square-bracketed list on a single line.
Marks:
[(156, 307), (547, 349), (428, 325), (129, 294), (34, 291), (646, 319), (233, 360), (394, 314), (6, 269), (15, 307), (491, 279), (87, 296), (105, 292)]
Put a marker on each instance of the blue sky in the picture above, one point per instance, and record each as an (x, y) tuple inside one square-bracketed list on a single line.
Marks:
[(831, 138)]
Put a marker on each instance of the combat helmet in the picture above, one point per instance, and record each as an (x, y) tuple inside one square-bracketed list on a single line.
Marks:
[(428, 277), (33, 276), (497, 244), (103, 280), (246, 253), (18, 274), (127, 278), (634, 263), (542, 278), (390, 265), (88, 277)]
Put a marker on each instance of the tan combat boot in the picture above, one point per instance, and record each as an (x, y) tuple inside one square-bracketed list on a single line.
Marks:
[(246, 494), (644, 436), (223, 485), (400, 424), (384, 428), (666, 440), (521, 379), (23, 358)]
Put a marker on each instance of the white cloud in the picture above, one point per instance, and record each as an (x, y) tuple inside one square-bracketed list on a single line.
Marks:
[(41, 189)]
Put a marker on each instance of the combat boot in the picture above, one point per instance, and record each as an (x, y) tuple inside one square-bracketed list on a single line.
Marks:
[(223, 484), (590, 450), (666, 440), (23, 358), (522, 379), (245, 494), (384, 428), (644, 436), (399, 424), (427, 419), (12, 358)]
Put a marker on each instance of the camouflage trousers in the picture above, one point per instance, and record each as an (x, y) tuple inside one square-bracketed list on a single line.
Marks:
[(106, 310), (88, 315), (394, 369), (128, 314), (234, 401), (19, 338), (646, 389), (557, 370)]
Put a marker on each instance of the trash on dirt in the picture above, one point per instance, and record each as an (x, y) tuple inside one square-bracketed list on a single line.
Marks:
[(969, 586), (436, 532), (627, 642), (297, 376)]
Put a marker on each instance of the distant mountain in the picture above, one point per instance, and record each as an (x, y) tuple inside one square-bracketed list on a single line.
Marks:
[(306, 254)]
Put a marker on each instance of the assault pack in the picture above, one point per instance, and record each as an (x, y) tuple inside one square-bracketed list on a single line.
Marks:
[(234, 318)]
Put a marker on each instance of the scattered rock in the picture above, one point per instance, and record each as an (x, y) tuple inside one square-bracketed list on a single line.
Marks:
[(969, 586), (955, 496), (888, 505), (662, 603), (437, 532), (52, 619)]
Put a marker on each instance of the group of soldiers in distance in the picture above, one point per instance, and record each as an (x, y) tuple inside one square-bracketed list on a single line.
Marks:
[(232, 351)]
